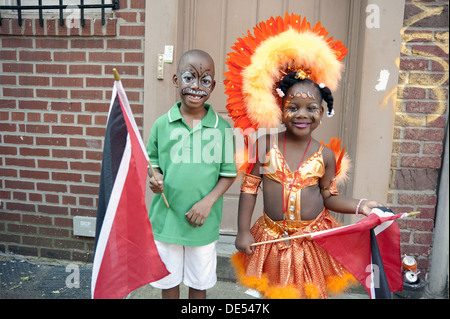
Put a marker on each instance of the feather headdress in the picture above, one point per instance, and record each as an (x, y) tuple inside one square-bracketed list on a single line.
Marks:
[(260, 60)]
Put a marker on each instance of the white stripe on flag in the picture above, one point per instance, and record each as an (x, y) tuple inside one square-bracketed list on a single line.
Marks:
[(110, 214), (126, 107)]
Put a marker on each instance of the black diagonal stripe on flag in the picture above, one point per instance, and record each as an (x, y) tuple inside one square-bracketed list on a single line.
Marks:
[(380, 284), (126, 256), (115, 141)]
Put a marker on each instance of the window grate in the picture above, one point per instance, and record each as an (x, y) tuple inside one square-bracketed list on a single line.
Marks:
[(114, 5)]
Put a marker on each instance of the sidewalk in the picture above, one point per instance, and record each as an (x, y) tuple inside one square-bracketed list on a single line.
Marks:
[(39, 278)]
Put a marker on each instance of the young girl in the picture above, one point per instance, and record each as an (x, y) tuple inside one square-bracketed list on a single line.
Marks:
[(298, 173)]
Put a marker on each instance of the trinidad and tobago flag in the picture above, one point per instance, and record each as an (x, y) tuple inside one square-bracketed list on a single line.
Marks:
[(126, 256), (370, 250)]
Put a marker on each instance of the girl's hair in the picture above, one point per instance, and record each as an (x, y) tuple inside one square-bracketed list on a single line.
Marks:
[(289, 80)]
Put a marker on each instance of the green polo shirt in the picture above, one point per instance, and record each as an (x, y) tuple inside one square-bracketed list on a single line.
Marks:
[(191, 162)]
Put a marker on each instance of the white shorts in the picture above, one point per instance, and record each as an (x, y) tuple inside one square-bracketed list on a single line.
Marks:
[(195, 266)]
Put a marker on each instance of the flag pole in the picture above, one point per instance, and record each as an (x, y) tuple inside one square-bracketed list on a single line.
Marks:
[(117, 78), (411, 214)]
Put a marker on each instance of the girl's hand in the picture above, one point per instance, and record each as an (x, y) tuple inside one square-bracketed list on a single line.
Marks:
[(243, 242), (367, 205)]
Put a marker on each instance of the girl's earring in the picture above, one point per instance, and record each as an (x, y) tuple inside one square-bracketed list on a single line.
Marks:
[(283, 126), (320, 122)]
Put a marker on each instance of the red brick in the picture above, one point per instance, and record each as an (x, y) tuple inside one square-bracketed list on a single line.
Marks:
[(66, 106), (35, 56), (14, 139), (87, 43), (127, 16), (20, 93), (67, 118), (48, 187), (27, 151), (432, 148), (34, 80), (67, 130), (33, 105), (52, 164), (13, 42), (21, 162), (84, 190), (128, 44), (7, 150), (8, 80), (85, 166), (105, 56), (54, 210), (18, 67), (51, 141), (422, 161), (85, 69), (68, 81), (132, 31), (416, 199), (70, 56), (68, 177), (35, 129), (134, 57), (8, 127), (84, 142), (51, 68), (34, 174), (20, 207), (67, 153), (14, 228), (52, 43), (86, 94), (35, 197)]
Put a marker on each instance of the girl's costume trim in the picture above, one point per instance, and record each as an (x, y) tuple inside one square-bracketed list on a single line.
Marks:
[(298, 268)]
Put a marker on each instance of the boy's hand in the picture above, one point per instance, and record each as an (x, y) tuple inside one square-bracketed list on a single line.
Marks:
[(243, 242), (197, 215), (157, 186)]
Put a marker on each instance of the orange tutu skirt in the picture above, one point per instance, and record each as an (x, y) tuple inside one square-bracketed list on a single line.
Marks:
[(300, 269)]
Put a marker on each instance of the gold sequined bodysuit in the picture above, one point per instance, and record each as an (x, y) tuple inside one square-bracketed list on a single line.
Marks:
[(308, 174)]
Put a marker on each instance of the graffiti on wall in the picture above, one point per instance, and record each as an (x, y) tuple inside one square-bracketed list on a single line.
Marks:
[(433, 82)]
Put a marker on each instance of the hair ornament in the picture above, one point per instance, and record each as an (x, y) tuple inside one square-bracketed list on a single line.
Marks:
[(280, 92), (330, 113), (300, 75), (321, 85)]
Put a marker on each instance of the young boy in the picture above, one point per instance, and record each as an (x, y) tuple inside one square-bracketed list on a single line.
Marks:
[(191, 150)]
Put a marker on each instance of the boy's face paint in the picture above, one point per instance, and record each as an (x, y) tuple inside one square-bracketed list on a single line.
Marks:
[(195, 80)]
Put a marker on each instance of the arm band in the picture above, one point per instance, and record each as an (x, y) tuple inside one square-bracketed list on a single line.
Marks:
[(333, 188), (250, 184)]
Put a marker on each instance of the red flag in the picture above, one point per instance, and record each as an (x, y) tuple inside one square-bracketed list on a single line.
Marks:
[(353, 248), (126, 256)]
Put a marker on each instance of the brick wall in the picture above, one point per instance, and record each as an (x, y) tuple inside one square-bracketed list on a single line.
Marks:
[(55, 89), (420, 123)]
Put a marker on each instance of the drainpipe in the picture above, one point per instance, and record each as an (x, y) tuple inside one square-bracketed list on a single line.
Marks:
[(437, 286)]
